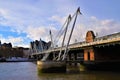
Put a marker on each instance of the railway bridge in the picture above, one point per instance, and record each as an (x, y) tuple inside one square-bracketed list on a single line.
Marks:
[(94, 52)]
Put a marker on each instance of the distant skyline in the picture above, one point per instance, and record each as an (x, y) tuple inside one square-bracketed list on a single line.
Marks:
[(22, 21)]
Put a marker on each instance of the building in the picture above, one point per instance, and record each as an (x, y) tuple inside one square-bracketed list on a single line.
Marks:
[(39, 46)]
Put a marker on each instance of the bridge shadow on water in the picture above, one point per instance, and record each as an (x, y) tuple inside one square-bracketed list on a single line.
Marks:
[(96, 73), (88, 75)]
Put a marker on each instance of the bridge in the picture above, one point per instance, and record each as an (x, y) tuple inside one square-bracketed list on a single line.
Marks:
[(97, 51), (105, 41), (97, 42), (101, 51)]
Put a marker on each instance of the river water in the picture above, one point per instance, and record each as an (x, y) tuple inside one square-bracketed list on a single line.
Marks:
[(28, 71)]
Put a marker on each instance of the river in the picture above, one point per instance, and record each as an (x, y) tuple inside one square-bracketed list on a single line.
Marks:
[(28, 71)]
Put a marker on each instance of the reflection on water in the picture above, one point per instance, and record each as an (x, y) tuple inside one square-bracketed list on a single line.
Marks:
[(82, 76), (28, 71)]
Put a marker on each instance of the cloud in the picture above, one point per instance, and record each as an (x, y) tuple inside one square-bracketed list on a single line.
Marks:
[(100, 27), (40, 32), (16, 41), (3, 16), (36, 33), (34, 13), (58, 19), (36, 17)]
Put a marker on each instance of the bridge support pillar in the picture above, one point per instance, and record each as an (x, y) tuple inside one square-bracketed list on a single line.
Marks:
[(75, 58), (89, 54), (69, 58)]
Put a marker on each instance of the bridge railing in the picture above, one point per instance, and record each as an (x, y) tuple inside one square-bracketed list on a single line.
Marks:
[(84, 44)]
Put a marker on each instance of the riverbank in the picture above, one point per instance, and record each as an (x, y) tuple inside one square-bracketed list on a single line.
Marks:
[(16, 60)]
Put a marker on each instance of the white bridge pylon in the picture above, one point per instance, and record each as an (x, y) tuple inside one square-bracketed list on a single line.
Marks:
[(62, 55)]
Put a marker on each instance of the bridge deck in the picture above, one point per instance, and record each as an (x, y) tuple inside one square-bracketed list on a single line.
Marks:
[(82, 45)]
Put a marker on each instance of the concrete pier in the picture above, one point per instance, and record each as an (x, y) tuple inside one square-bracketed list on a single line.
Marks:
[(51, 66)]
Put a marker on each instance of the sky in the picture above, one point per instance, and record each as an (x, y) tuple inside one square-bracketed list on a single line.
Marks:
[(23, 21)]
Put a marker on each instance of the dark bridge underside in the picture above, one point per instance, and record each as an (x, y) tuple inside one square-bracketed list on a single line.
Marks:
[(107, 53), (106, 58)]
